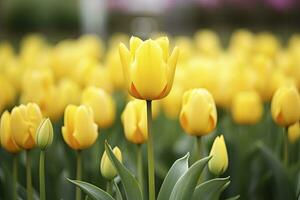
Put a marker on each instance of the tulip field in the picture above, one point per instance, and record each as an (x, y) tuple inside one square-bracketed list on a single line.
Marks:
[(159, 118)]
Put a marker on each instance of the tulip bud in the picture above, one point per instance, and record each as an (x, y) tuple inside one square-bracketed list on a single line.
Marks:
[(219, 161), (79, 130), (294, 132), (198, 115), (285, 106), (107, 169), (25, 120), (247, 107), (44, 134), (7, 140), (134, 119), (148, 68)]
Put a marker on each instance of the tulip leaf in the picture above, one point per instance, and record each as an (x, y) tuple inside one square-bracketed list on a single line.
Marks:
[(233, 198), (179, 167), (211, 190), (92, 191), (185, 186), (131, 186), (282, 183)]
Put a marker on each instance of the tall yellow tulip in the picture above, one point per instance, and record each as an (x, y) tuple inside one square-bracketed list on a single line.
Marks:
[(25, 120), (247, 107), (79, 130), (102, 104), (134, 119), (219, 161), (285, 106), (7, 140), (148, 68), (198, 115)]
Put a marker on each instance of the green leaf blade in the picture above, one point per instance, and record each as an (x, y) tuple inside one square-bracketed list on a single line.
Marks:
[(179, 167), (131, 186), (185, 186), (92, 191)]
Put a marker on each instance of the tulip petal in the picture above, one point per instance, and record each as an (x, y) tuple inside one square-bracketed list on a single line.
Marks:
[(172, 61), (85, 128), (129, 119), (125, 60), (164, 44), (134, 43)]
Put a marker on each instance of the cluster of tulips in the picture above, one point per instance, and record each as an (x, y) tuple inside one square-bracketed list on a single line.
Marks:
[(189, 79)]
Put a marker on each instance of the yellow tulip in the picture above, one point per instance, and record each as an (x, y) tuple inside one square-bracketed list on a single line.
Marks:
[(208, 43), (6, 136), (294, 132), (285, 106), (267, 44), (186, 46), (148, 68), (198, 114), (25, 120), (79, 130), (90, 46), (107, 169), (247, 107), (172, 103), (134, 119), (219, 161), (102, 104), (7, 93), (44, 134)]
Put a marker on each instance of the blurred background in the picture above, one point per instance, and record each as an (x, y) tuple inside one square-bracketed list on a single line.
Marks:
[(68, 18)]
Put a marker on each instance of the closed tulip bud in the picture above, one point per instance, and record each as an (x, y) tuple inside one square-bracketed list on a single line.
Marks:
[(134, 119), (25, 120), (6, 137), (285, 106), (107, 169), (294, 132), (148, 68), (219, 161), (102, 104), (79, 130), (44, 134), (198, 115), (247, 108)]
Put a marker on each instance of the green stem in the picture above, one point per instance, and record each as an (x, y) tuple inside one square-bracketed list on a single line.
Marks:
[(109, 188), (285, 147), (78, 174), (15, 176), (42, 176), (28, 176), (140, 167), (118, 193), (151, 177), (199, 149)]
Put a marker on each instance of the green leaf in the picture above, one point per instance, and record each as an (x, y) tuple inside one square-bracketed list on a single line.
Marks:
[(233, 198), (118, 192), (210, 190), (185, 186), (179, 167), (131, 186), (92, 191), (284, 188)]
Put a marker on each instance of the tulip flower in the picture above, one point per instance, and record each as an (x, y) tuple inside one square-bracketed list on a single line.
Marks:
[(8, 143), (148, 68), (219, 161), (6, 136), (134, 119), (79, 130), (198, 116), (107, 169), (102, 104), (247, 108), (294, 132), (25, 120), (285, 106)]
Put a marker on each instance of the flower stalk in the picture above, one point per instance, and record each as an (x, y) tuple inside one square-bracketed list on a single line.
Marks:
[(78, 174), (28, 176), (151, 178), (140, 166), (15, 176), (42, 176)]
